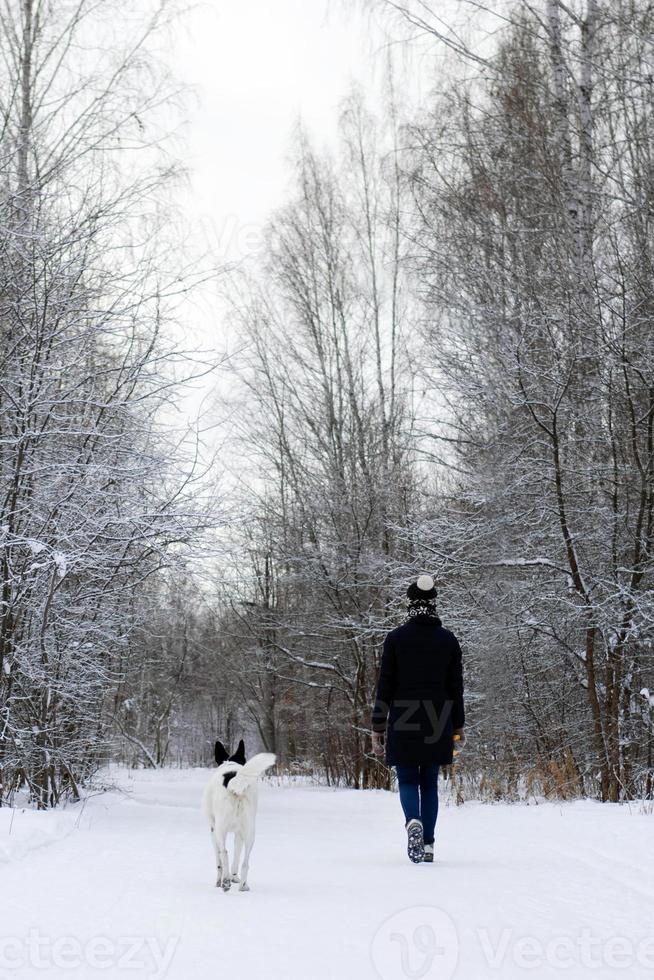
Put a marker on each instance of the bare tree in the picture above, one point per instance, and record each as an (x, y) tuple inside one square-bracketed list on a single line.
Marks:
[(325, 423), (92, 503), (535, 273)]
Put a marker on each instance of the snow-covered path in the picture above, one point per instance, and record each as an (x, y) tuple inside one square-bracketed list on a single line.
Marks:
[(125, 889)]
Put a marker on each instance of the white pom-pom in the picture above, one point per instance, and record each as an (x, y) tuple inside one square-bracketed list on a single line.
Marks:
[(425, 583)]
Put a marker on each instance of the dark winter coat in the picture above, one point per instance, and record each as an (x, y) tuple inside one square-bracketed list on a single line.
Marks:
[(420, 693)]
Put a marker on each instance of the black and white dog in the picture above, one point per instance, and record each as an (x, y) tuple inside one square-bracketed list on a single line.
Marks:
[(230, 803)]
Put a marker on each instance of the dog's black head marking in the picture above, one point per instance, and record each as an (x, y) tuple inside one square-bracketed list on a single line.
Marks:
[(222, 755), (227, 776)]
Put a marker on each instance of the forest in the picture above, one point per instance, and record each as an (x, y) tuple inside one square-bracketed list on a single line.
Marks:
[(445, 364)]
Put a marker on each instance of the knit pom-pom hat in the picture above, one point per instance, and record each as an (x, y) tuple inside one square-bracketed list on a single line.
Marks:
[(423, 590)]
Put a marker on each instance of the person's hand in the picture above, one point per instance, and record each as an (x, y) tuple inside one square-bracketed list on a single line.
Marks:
[(459, 738), (378, 744)]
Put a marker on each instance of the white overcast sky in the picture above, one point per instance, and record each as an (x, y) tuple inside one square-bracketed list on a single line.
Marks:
[(256, 67)]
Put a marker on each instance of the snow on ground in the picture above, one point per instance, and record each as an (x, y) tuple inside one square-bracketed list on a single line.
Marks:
[(125, 888), (23, 829)]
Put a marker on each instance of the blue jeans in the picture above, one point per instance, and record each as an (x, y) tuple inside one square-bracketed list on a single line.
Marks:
[(419, 796)]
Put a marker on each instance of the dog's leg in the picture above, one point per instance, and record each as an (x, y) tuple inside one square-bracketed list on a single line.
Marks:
[(238, 847), (224, 862), (219, 868), (246, 864)]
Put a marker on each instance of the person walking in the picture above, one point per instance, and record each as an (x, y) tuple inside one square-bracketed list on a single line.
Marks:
[(418, 710)]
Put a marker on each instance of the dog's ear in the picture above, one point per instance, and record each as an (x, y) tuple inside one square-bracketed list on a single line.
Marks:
[(239, 755), (220, 752)]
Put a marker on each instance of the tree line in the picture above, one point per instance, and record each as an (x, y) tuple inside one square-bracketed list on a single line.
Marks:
[(445, 363), (96, 495)]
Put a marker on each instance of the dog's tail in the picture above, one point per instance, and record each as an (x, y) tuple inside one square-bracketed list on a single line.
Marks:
[(250, 772)]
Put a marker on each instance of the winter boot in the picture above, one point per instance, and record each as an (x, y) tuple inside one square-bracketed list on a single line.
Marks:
[(415, 841), (429, 853)]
